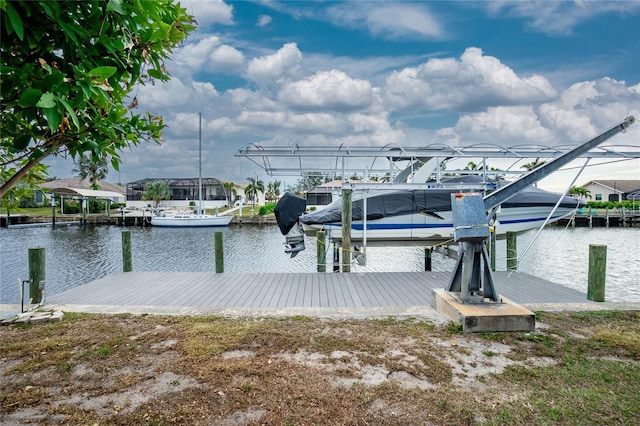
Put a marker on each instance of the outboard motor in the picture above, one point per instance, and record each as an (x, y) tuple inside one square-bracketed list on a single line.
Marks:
[(288, 211)]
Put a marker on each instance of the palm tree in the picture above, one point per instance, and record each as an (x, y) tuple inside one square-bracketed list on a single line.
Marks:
[(95, 171), (229, 191), (156, 191), (580, 192), (533, 165), (251, 191)]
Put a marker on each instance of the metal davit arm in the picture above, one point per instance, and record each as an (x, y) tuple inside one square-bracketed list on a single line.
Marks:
[(501, 195)]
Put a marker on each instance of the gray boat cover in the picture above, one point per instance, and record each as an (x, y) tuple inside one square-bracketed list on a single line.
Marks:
[(425, 201)]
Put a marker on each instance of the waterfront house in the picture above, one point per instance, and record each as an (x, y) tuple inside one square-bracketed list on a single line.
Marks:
[(612, 190)]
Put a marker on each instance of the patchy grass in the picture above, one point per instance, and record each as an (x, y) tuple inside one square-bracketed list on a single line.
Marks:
[(130, 370)]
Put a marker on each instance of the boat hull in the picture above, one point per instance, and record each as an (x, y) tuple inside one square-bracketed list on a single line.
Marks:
[(420, 227), (190, 221)]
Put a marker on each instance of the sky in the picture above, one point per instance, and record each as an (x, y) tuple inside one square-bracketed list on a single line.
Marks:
[(373, 73)]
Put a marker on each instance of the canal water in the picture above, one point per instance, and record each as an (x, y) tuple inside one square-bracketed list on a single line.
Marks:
[(76, 255)]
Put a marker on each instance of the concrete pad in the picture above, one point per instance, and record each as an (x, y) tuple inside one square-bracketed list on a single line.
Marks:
[(483, 317)]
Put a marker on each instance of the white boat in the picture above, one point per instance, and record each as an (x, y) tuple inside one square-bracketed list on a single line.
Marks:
[(189, 219), (415, 216)]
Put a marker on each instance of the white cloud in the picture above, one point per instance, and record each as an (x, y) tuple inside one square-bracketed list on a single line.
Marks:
[(210, 54), (328, 89), (208, 12), (559, 17), (506, 126), (471, 83), (263, 20), (388, 20), (271, 68)]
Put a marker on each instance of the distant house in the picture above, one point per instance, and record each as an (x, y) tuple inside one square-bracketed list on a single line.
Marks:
[(184, 191), (116, 193), (612, 190), (324, 194)]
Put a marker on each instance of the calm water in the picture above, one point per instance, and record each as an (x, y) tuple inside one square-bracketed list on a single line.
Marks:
[(76, 255)]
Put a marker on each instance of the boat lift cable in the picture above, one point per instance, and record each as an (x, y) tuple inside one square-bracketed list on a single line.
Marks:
[(564, 194)]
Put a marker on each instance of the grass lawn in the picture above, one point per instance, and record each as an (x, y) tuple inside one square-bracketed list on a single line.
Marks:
[(578, 368)]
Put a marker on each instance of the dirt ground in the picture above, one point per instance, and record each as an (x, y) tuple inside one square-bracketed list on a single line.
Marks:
[(160, 370)]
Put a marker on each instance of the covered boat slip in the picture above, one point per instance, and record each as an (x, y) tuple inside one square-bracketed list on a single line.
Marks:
[(314, 294)]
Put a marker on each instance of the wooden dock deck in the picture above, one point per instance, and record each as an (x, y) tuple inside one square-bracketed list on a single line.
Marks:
[(198, 292)]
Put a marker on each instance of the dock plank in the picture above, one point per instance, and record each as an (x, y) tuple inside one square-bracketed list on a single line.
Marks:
[(296, 290)]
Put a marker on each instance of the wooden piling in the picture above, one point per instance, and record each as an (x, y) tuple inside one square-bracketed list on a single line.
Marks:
[(427, 258), (36, 273), (512, 251), (492, 247), (219, 252), (321, 251), (127, 259), (336, 258), (346, 230), (597, 272)]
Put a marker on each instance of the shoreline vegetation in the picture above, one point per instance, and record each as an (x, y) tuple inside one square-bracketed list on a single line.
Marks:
[(124, 369)]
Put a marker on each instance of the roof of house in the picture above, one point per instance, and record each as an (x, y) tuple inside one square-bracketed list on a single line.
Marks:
[(621, 186), (79, 183)]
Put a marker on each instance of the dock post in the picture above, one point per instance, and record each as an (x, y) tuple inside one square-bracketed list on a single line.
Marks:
[(336, 257), (36, 273), (127, 260), (512, 251), (597, 272), (492, 247), (53, 211), (427, 258), (219, 252), (321, 251), (346, 230)]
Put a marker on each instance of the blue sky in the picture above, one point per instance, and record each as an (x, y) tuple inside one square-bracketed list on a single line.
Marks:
[(370, 73)]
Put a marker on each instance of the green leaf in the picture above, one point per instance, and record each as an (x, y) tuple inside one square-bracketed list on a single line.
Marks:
[(115, 6), (53, 118), (52, 80), (21, 142), (47, 101), (29, 98), (156, 74), (102, 72), (70, 111), (16, 21)]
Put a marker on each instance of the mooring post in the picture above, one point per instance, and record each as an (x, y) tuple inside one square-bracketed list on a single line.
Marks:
[(127, 260), (321, 251), (36, 273), (219, 252), (53, 211), (492, 247), (512, 251), (427, 258), (336, 257), (597, 272), (346, 230)]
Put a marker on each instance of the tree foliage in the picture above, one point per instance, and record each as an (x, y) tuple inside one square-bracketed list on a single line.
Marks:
[(156, 191), (253, 189), (95, 171), (69, 67), (580, 192), (230, 192)]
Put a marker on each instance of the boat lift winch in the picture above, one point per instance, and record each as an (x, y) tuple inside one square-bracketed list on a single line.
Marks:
[(472, 277)]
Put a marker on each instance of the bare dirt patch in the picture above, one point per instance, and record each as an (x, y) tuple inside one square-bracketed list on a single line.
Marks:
[(130, 370)]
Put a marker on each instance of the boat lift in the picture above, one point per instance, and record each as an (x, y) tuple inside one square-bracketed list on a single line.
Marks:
[(472, 274), (471, 277)]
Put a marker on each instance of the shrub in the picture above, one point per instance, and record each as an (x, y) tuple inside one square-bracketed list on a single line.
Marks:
[(267, 209)]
